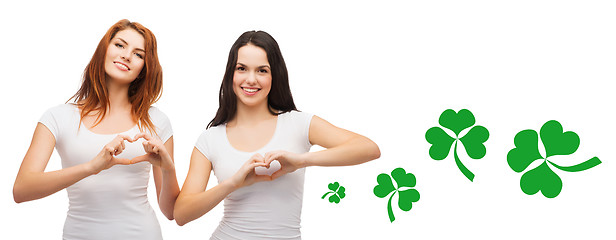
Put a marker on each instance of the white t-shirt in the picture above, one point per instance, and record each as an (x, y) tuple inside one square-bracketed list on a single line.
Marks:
[(112, 204), (264, 210)]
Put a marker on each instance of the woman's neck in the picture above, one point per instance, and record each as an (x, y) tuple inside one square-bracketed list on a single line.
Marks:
[(250, 115), (118, 97)]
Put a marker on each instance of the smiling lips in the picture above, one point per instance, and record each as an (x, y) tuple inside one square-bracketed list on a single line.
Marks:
[(250, 91), (122, 66)]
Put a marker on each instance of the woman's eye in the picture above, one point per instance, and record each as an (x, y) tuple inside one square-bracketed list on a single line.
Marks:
[(119, 45), (139, 55), (241, 68), (263, 71)]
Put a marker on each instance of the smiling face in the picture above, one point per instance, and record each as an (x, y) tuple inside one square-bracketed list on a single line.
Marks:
[(125, 56), (252, 79)]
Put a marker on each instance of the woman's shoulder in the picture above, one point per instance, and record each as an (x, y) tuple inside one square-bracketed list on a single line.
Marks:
[(63, 108), (295, 115), (156, 112), (158, 117), (214, 131), (209, 137)]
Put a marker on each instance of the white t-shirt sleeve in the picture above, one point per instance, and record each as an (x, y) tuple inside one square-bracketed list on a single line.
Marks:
[(52, 120), (202, 145), (162, 123), (303, 120)]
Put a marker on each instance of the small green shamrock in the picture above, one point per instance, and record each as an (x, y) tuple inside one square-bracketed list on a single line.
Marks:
[(472, 141), (337, 192), (405, 182), (556, 142)]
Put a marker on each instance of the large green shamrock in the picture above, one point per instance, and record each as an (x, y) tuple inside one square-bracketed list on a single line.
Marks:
[(405, 182), (556, 142), (337, 192), (473, 140)]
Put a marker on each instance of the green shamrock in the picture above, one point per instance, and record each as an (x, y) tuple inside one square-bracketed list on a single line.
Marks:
[(473, 140), (337, 192), (405, 182), (556, 142)]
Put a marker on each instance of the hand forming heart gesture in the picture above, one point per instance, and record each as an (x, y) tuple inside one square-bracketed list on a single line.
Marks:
[(106, 157), (246, 175), (156, 153), (289, 162)]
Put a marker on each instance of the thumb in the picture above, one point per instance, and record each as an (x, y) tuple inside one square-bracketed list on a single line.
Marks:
[(269, 157), (278, 174), (121, 161), (139, 159), (261, 178)]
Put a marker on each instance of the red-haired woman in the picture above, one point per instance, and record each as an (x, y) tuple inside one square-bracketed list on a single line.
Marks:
[(106, 176)]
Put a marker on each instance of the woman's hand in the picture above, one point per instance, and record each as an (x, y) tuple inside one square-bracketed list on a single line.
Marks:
[(106, 157), (289, 162), (156, 152), (246, 175)]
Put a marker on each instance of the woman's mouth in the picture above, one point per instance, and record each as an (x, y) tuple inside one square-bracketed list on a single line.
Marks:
[(250, 91), (122, 66)]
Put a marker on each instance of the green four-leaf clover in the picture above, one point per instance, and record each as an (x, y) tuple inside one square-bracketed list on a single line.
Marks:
[(337, 192), (405, 182), (556, 142), (472, 141)]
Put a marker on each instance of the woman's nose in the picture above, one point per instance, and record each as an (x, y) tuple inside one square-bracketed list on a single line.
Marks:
[(251, 79), (126, 55)]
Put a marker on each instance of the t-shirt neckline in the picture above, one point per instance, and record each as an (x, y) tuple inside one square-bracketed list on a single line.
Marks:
[(276, 130), (82, 125)]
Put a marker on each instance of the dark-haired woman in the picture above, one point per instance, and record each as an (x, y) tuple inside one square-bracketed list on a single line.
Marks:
[(257, 126), (106, 177)]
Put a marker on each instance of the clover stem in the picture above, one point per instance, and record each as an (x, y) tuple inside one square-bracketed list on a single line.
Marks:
[(326, 195), (390, 211), (588, 164), (461, 166)]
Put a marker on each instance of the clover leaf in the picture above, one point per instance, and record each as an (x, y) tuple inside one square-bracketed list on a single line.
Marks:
[(337, 192), (556, 142), (406, 195), (472, 141)]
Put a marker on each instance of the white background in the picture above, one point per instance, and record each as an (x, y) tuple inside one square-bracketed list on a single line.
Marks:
[(383, 70)]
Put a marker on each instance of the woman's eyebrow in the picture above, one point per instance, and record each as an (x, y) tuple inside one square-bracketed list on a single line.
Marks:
[(126, 43), (262, 66)]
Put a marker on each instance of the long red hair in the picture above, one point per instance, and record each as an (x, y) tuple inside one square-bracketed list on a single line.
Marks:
[(144, 91)]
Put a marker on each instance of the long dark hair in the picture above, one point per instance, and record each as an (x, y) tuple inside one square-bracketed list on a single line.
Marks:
[(279, 98)]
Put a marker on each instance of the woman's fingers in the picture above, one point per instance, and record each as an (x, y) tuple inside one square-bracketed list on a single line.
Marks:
[(123, 137), (278, 174), (118, 145), (262, 178), (121, 147), (122, 161), (109, 150), (139, 159), (271, 156), (258, 164), (143, 135), (150, 147), (257, 157), (155, 149), (146, 146)]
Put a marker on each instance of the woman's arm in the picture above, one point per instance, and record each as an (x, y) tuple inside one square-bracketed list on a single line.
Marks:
[(167, 188), (32, 182), (343, 148), (194, 201)]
